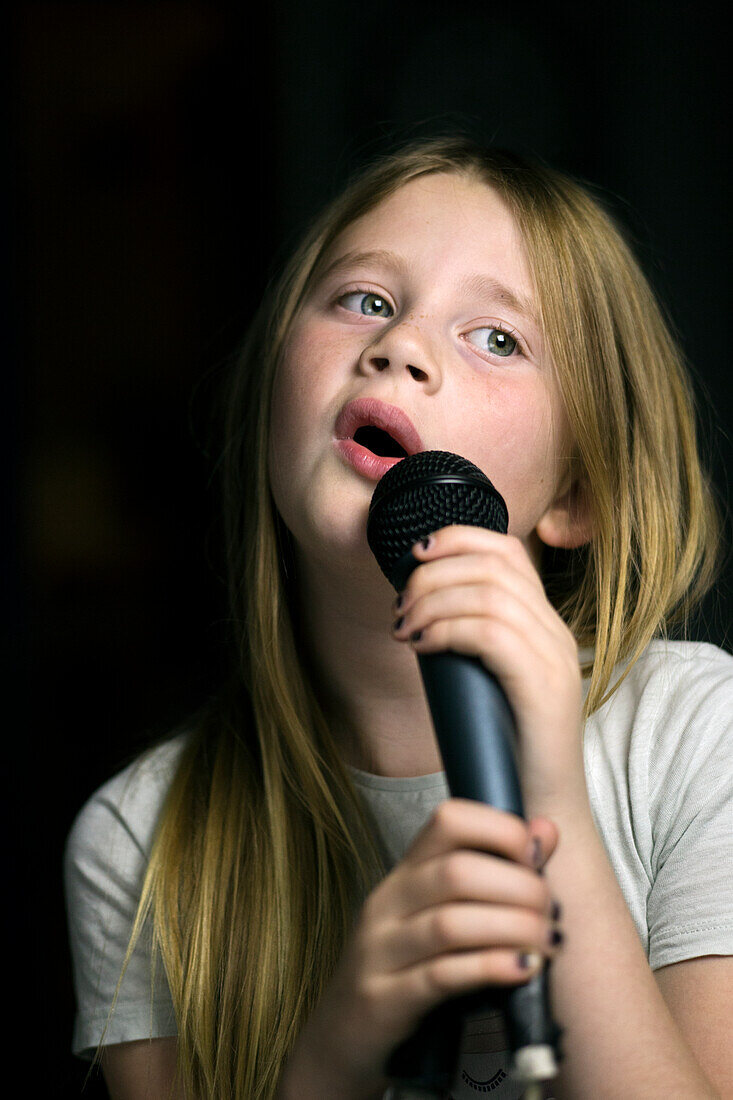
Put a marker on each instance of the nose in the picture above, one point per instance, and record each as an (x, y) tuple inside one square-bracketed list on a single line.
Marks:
[(403, 347)]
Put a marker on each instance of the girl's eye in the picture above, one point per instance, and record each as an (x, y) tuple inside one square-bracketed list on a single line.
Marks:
[(365, 301), (495, 341)]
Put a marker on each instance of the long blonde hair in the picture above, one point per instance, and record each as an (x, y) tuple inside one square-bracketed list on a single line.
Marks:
[(263, 853)]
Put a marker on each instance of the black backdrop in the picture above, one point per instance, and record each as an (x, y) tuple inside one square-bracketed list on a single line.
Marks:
[(164, 157)]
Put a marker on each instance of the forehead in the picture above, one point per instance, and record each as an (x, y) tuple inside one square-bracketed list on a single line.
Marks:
[(452, 223)]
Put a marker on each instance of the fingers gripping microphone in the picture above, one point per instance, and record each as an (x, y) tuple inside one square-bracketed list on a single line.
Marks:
[(476, 733)]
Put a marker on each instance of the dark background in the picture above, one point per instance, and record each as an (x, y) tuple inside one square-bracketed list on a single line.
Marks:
[(163, 158)]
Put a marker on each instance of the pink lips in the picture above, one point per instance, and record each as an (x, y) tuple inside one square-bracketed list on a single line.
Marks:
[(370, 411)]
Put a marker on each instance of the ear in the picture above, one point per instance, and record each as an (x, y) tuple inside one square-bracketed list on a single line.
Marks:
[(568, 522)]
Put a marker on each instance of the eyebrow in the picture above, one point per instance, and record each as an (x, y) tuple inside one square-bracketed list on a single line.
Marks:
[(485, 286), (482, 286), (365, 259)]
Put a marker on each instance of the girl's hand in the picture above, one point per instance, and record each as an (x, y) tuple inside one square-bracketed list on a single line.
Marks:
[(477, 592), (465, 908)]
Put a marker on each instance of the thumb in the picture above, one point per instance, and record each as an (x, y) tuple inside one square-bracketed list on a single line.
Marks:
[(547, 833)]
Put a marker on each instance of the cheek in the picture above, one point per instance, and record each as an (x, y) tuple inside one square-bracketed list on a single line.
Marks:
[(516, 444), (284, 426), (293, 391), (289, 418), (309, 373), (510, 422), (305, 398)]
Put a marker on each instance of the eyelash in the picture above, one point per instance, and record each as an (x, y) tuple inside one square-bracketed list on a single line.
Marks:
[(506, 330), (363, 290)]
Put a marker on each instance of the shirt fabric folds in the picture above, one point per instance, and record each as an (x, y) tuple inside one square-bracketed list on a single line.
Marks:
[(658, 761)]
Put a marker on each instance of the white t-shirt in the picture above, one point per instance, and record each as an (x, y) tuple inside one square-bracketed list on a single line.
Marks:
[(659, 770)]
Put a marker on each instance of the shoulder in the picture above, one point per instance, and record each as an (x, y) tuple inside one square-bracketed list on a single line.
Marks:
[(686, 703), (658, 762), (686, 698), (701, 661), (105, 860), (664, 740), (117, 822), (678, 667), (671, 687)]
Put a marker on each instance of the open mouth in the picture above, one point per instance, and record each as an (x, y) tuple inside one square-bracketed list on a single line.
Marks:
[(379, 442)]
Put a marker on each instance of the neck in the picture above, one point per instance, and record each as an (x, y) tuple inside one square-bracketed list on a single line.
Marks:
[(368, 684)]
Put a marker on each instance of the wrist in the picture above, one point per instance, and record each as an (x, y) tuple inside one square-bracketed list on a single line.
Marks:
[(552, 770), (567, 804), (571, 814)]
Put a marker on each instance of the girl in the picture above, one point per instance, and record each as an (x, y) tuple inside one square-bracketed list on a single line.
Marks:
[(286, 886)]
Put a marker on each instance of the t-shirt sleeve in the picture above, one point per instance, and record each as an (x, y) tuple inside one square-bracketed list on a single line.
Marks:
[(690, 904), (105, 860)]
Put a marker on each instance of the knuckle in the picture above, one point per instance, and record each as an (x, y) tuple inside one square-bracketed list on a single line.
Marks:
[(490, 630), (414, 588), (515, 547), (445, 817), (443, 928), (369, 996), (453, 874), (437, 976), (491, 598), (497, 627)]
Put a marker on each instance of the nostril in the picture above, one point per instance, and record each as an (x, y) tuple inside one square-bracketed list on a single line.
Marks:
[(381, 364), (417, 374)]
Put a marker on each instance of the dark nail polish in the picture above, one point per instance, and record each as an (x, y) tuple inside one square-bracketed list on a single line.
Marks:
[(398, 622), (556, 937), (556, 910), (536, 852), (398, 601), (425, 543), (416, 636)]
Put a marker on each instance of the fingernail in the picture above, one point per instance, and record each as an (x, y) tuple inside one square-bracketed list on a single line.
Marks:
[(535, 852), (416, 636), (529, 960), (555, 937), (398, 622), (398, 601), (556, 910), (426, 542)]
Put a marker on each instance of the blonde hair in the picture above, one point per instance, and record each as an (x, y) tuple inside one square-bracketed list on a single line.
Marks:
[(263, 854)]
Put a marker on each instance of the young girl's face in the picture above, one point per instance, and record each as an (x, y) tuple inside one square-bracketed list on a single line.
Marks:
[(425, 305)]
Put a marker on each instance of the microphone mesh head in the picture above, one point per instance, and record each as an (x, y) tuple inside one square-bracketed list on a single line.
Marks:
[(421, 494)]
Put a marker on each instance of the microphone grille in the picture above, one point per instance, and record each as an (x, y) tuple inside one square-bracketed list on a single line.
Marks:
[(421, 494)]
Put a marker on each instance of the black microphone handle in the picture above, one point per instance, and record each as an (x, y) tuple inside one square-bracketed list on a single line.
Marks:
[(476, 733), (475, 729)]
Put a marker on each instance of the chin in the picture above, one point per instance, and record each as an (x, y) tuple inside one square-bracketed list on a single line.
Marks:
[(334, 533), (345, 535)]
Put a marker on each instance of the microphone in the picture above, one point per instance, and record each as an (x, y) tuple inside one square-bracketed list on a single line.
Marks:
[(476, 735)]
